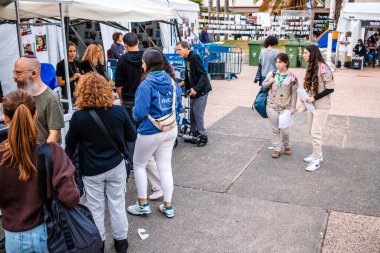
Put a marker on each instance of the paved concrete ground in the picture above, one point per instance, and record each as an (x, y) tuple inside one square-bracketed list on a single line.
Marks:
[(231, 196)]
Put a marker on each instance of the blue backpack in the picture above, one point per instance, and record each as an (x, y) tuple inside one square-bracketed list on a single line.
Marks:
[(260, 102)]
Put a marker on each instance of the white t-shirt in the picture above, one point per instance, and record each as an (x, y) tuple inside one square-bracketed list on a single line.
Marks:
[(342, 47)]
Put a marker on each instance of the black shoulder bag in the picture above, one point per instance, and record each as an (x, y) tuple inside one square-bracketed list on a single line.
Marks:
[(102, 127), (68, 230)]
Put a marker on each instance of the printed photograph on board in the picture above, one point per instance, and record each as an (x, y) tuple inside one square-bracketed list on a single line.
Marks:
[(41, 43)]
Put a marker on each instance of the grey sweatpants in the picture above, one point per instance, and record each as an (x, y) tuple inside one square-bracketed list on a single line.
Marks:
[(197, 113)]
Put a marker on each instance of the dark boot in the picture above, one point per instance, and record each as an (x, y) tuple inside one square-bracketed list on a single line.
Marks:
[(192, 138), (121, 246), (103, 247)]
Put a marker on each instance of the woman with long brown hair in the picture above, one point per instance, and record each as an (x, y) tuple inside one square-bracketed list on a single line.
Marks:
[(319, 85), (20, 200), (157, 97), (93, 60), (102, 166)]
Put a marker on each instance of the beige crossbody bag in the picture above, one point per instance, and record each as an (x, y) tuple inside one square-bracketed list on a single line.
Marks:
[(167, 122)]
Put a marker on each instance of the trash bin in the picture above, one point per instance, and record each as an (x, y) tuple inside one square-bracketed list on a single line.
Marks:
[(254, 52), (291, 48), (303, 45), (216, 69)]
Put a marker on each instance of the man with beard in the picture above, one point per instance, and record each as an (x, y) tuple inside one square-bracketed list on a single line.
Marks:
[(49, 109)]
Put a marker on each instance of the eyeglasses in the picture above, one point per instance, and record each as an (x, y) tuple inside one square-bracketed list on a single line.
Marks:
[(18, 73)]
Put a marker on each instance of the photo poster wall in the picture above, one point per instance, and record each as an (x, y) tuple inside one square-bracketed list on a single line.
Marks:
[(188, 26), (148, 33), (89, 32), (34, 41)]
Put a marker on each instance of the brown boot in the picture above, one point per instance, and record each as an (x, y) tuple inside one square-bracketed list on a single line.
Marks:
[(288, 151), (276, 154)]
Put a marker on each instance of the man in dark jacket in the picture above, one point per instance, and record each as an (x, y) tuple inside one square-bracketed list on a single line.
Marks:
[(198, 86), (204, 38), (129, 71), (127, 79)]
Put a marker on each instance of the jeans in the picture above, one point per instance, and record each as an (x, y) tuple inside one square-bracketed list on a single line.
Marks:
[(30, 241), (111, 185)]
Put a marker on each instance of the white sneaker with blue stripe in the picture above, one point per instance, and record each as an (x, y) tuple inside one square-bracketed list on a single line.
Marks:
[(167, 210), (138, 209)]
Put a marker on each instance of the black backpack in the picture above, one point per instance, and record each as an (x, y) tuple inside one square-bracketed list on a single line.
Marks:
[(68, 230)]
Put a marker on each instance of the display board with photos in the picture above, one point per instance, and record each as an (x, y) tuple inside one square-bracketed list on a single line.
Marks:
[(148, 33), (89, 33)]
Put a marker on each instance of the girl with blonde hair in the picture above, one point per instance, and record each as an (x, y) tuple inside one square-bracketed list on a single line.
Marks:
[(93, 60)]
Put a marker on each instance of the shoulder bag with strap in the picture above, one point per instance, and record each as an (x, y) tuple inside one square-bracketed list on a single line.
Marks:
[(167, 122), (68, 230), (102, 127)]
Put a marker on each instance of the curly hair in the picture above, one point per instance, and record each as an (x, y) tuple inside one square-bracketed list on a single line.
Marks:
[(91, 54), (93, 91), (311, 78), (270, 41)]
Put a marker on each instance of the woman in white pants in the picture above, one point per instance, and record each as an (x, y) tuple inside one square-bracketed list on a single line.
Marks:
[(157, 96)]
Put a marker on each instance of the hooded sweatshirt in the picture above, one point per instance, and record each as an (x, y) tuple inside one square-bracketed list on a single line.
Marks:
[(154, 97), (128, 74)]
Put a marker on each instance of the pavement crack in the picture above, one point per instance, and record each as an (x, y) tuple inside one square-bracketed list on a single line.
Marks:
[(322, 239), (344, 141), (242, 171)]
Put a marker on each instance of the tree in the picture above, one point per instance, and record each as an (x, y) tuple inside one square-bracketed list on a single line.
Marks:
[(277, 5)]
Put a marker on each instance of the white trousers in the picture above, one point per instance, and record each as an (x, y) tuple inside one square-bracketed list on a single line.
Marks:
[(159, 145), (110, 185)]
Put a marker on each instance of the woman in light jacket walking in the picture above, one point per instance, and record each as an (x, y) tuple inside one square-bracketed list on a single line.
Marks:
[(154, 97)]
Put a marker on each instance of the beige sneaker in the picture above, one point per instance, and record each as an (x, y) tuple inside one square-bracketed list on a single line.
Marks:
[(288, 151), (276, 154)]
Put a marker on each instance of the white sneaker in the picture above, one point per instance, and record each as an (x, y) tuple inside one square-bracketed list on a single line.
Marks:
[(156, 195), (313, 165), (138, 209), (168, 211), (311, 157)]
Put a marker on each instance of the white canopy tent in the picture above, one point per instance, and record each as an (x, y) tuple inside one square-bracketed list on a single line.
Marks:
[(351, 17), (99, 10)]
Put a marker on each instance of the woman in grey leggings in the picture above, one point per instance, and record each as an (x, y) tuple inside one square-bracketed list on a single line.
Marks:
[(154, 97)]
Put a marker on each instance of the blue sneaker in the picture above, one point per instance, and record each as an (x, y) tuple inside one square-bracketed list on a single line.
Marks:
[(138, 209), (167, 210)]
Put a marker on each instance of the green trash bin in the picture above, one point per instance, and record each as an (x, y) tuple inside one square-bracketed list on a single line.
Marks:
[(291, 48), (254, 52), (303, 45)]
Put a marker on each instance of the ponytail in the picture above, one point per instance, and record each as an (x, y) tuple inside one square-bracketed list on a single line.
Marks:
[(19, 149)]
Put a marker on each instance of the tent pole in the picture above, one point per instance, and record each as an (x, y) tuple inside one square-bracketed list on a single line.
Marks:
[(18, 28), (67, 77)]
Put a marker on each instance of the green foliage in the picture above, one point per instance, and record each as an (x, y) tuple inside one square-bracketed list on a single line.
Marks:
[(198, 2)]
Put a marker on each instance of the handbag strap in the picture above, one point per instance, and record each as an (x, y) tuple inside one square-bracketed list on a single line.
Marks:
[(173, 104), (102, 127)]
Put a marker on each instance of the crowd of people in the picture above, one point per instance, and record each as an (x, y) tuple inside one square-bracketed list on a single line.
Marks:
[(368, 50), (142, 131)]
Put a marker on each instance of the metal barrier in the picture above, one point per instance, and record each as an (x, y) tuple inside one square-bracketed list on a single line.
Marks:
[(224, 62), (221, 62)]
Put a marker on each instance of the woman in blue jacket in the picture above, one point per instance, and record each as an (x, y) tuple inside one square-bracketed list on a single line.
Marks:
[(154, 97)]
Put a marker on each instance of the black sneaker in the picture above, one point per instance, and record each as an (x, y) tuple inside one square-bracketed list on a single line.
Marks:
[(202, 140), (193, 137)]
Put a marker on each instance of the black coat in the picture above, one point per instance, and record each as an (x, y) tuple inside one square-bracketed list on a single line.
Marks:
[(197, 78), (362, 51), (86, 67)]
